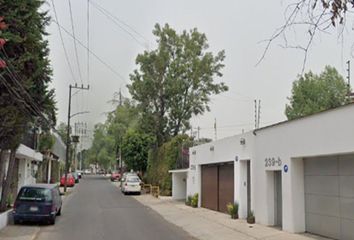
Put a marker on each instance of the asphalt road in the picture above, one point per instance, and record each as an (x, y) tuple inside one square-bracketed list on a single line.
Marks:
[(98, 210)]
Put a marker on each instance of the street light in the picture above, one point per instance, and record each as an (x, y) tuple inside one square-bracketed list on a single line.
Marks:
[(68, 130), (68, 146)]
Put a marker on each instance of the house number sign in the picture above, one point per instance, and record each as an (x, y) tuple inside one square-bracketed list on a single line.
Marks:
[(272, 162)]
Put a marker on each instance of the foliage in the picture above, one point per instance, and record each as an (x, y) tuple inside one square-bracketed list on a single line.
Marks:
[(161, 160), (102, 150), (194, 200), (108, 137), (251, 218), (46, 141), (28, 72), (175, 81), (26, 80), (62, 131), (232, 209), (313, 93), (125, 116), (135, 149), (189, 200)]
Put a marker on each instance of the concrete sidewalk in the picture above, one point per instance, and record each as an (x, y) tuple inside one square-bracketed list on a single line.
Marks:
[(26, 232), (210, 225)]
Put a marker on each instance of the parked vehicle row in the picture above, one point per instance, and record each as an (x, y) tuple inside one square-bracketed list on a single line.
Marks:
[(71, 179), (42, 202)]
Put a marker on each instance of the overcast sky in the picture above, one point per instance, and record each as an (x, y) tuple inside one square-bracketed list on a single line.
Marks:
[(235, 26)]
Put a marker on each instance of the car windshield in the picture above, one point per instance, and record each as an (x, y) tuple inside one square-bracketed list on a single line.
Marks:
[(35, 194), (133, 179)]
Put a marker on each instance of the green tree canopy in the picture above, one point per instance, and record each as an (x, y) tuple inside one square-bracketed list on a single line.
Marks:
[(313, 93), (28, 73), (102, 150), (125, 116), (25, 94), (135, 149), (175, 81)]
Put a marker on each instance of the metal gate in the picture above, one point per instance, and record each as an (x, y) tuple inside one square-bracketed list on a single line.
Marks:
[(329, 196), (217, 186), (210, 187)]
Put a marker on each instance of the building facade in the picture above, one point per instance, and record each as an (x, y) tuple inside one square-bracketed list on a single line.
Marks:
[(298, 175)]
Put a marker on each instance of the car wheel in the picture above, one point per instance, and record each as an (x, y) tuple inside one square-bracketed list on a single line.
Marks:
[(52, 221), (59, 212)]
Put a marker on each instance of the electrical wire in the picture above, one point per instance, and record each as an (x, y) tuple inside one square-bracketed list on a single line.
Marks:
[(118, 23), (62, 42), (88, 41), (25, 97), (92, 53), (75, 46)]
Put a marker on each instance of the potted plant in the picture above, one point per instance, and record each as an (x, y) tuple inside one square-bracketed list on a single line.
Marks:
[(194, 200), (189, 200), (251, 219), (232, 209)]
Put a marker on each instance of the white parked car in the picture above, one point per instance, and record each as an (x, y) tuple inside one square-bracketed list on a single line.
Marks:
[(131, 184)]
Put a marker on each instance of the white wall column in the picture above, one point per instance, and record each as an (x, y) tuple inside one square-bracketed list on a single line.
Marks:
[(49, 169)]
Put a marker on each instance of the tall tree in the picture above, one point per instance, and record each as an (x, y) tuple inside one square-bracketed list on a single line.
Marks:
[(313, 93), (62, 131), (175, 81), (102, 151), (135, 150), (24, 83)]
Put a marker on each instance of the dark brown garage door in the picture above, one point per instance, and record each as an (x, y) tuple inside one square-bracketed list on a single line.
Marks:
[(217, 186), (226, 186), (210, 187)]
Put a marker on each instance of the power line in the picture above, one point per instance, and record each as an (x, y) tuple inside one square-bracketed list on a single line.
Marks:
[(92, 53), (88, 41), (33, 107), (75, 47), (118, 21), (62, 42)]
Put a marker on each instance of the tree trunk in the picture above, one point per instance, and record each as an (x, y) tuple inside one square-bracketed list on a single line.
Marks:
[(14, 183), (7, 182), (2, 165)]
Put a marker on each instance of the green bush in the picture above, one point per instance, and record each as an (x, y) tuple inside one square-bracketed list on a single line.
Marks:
[(232, 209), (194, 200), (163, 159)]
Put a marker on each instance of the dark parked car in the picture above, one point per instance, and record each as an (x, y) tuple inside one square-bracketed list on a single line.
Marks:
[(38, 202)]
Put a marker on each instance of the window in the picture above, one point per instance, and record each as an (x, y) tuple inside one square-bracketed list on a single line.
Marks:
[(35, 194), (133, 179)]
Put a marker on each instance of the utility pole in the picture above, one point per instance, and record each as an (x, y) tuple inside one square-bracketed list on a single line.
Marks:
[(68, 140), (255, 114), (259, 113), (198, 133), (348, 77), (120, 97)]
